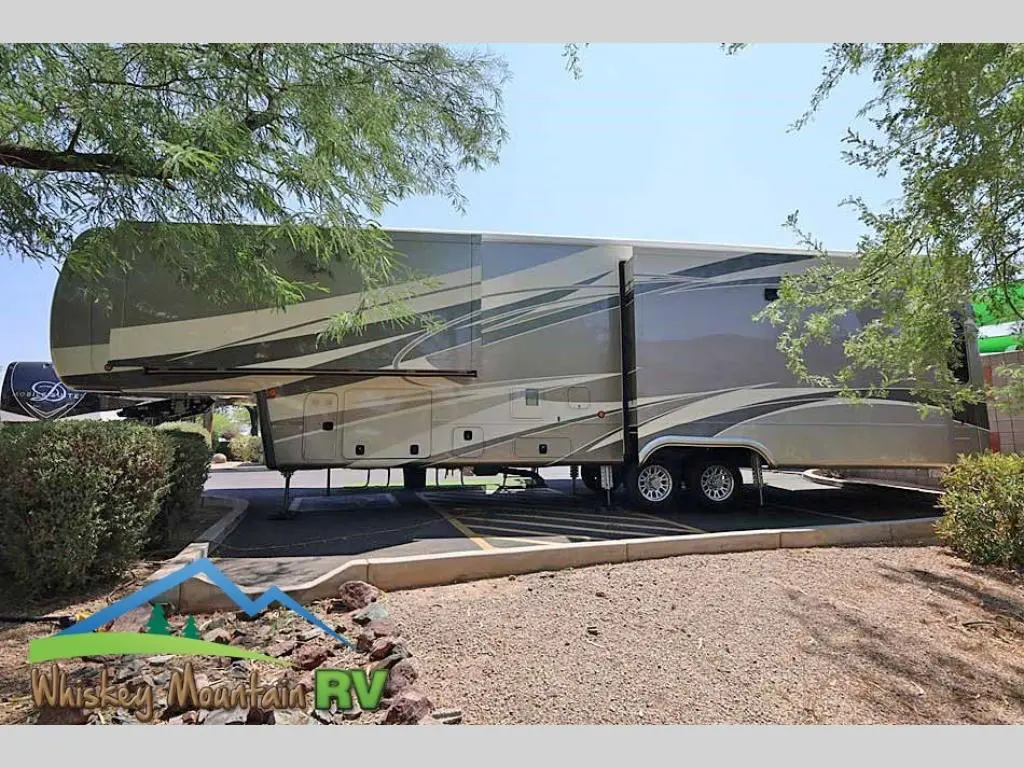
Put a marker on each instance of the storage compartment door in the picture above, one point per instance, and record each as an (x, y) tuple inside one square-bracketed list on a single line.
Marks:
[(320, 427)]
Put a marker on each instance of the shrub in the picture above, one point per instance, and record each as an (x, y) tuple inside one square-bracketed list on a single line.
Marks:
[(246, 448), (189, 427), (984, 509), (188, 471), (76, 500)]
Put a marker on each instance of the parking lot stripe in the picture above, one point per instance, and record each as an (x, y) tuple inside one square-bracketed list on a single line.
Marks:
[(540, 542), (512, 516), (466, 531), (672, 523), (820, 514), (483, 523)]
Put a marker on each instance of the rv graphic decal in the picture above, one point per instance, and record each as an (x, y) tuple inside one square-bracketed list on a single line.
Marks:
[(33, 390)]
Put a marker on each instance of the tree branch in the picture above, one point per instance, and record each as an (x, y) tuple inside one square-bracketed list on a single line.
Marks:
[(74, 137), (103, 163)]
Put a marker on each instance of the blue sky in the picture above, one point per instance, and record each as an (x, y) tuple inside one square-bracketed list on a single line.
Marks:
[(665, 142)]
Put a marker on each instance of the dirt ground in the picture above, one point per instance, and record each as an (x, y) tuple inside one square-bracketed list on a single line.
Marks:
[(858, 635)]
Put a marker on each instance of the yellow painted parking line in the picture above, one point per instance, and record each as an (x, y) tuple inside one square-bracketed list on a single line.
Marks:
[(485, 522), (468, 532), (621, 520), (540, 542), (465, 530)]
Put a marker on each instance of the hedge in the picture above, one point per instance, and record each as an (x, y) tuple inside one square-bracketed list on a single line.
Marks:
[(246, 448), (80, 500), (190, 467), (188, 426), (984, 509)]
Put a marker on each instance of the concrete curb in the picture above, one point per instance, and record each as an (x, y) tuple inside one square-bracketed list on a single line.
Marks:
[(835, 482), (396, 573), (208, 540)]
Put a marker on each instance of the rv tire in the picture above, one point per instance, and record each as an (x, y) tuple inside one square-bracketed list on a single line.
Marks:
[(414, 478), (714, 483), (653, 485)]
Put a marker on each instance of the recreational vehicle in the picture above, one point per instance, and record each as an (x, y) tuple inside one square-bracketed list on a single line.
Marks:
[(637, 362)]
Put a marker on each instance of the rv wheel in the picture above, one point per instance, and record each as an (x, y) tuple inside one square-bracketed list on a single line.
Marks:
[(714, 483), (414, 478), (652, 485)]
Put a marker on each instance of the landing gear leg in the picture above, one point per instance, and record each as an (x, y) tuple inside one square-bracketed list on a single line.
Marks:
[(574, 472), (328, 481), (286, 513), (755, 465), (607, 483)]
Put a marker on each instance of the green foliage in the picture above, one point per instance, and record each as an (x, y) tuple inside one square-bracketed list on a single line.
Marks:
[(229, 421), (76, 501), (312, 140), (188, 427), (187, 474), (984, 509), (947, 118), (247, 448), (158, 624)]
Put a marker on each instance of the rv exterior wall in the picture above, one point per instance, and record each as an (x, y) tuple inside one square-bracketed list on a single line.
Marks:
[(521, 364)]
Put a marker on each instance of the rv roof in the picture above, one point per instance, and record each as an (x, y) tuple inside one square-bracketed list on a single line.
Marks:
[(511, 237)]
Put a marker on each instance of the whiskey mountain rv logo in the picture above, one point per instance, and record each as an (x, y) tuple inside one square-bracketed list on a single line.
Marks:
[(89, 638)]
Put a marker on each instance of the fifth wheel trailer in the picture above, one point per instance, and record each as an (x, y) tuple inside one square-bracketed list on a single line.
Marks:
[(640, 358)]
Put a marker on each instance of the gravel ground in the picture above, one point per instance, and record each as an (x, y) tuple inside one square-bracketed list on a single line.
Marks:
[(858, 635)]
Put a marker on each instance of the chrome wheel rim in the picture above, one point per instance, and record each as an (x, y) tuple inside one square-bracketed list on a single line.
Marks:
[(717, 483), (654, 483)]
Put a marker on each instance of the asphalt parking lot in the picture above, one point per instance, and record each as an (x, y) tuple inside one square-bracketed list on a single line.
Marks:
[(326, 530)]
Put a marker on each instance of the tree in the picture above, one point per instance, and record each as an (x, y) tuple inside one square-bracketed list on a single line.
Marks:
[(950, 119), (313, 141), (190, 630), (158, 624), (230, 420)]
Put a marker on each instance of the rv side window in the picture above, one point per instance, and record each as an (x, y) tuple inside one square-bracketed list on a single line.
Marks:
[(532, 397)]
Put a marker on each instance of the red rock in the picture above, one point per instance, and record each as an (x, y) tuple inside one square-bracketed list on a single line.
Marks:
[(384, 628), (62, 716), (401, 676), (310, 656), (364, 641), (133, 621), (381, 647), (353, 595), (218, 635), (283, 648), (408, 708)]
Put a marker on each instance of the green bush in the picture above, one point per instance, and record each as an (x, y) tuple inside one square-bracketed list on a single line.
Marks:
[(77, 499), (189, 469), (984, 509), (247, 448), (190, 427)]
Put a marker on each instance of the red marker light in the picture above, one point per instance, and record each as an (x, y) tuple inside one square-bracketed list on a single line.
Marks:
[(600, 414)]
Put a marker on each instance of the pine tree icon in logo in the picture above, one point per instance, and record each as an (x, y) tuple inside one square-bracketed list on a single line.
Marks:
[(158, 624), (190, 630)]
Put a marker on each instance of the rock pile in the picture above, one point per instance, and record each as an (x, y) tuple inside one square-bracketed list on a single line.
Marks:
[(357, 613)]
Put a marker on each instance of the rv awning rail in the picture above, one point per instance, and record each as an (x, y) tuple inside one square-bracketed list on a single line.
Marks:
[(264, 371)]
